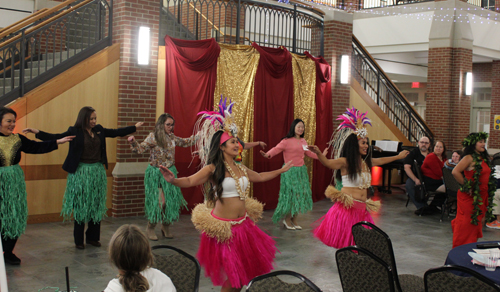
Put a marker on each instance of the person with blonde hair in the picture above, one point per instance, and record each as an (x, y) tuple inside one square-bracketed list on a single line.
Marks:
[(163, 201), (130, 252)]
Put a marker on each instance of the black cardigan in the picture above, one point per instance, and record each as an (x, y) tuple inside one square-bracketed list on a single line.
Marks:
[(76, 145)]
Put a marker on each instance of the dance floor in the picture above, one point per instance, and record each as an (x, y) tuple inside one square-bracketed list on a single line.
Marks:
[(420, 243)]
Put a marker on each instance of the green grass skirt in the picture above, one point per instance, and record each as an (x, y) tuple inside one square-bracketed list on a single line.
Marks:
[(13, 202), (295, 193), (174, 201), (85, 195)]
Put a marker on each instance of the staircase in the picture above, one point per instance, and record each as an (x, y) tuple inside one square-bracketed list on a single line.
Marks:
[(383, 94), (50, 43), (169, 25)]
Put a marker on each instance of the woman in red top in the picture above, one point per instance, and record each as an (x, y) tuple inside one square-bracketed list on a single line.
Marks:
[(432, 168), (474, 200)]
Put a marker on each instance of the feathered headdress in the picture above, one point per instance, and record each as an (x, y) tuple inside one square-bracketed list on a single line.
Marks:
[(353, 122), (212, 121)]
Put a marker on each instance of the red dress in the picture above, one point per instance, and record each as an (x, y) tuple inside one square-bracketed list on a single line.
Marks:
[(463, 231)]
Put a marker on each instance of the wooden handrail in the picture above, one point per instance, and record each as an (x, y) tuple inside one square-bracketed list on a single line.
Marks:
[(47, 21), (390, 81), (15, 64), (212, 24), (23, 20), (34, 18)]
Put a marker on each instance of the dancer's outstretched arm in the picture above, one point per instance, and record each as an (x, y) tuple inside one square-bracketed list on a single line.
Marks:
[(385, 160), (196, 179), (265, 176), (330, 163)]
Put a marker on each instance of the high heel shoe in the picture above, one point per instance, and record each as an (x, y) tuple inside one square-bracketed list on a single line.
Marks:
[(288, 226), (165, 231), (150, 231), (297, 227)]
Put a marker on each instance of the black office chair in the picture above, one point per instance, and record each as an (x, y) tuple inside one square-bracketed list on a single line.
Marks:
[(182, 268), (443, 279), (428, 194), (271, 282), (452, 187), (361, 270), (370, 237)]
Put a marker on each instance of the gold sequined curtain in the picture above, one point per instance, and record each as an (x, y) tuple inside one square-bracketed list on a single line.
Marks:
[(304, 93), (236, 69)]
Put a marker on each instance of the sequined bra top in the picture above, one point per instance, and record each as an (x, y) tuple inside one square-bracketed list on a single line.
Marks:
[(363, 181), (229, 187)]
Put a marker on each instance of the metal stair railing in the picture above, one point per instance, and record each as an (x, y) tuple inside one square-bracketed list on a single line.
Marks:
[(42, 50), (386, 94), (244, 21)]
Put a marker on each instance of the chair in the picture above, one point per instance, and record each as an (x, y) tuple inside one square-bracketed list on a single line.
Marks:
[(418, 173), (182, 268), (443, 279), (361, 270), (370, 237), (452, 187), (271, 282)]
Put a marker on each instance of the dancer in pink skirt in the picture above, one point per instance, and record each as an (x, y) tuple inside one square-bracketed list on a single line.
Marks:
[(353, 159), (233, 250)]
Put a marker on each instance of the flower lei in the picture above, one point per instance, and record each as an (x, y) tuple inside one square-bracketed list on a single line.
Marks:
[(473, 139), (473, 185)]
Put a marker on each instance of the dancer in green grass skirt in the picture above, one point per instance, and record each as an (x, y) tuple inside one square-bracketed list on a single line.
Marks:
[(13, 202), (86, 186), (163, 201), (295, 191)]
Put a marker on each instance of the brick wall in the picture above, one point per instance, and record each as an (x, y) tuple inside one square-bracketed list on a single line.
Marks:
[(447, 106), (460, 104), (494, 140), (136, 97), (338, 42), (482, 72)]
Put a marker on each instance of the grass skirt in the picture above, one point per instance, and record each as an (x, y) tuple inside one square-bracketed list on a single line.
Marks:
[(174, 201), (335, 227), (248, 253), (85, 195), (13, 202), (295, 193)]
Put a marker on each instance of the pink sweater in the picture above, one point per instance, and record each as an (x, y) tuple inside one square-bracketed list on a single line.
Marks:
[(292, 150)]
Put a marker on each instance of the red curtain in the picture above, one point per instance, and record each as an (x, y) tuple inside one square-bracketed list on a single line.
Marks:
[(273, 112), (324, 124), (191, 73)]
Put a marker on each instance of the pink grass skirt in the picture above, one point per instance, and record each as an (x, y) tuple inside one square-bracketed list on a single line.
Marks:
[(249, 253), (335, 227)]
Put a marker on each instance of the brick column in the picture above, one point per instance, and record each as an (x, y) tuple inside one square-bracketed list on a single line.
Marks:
[(439, 80), (447, 106), (338, 42), (136, 100), (494, 141)]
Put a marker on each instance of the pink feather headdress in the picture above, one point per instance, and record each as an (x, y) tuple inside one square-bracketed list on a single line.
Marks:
[(212, 121), (352, 122)]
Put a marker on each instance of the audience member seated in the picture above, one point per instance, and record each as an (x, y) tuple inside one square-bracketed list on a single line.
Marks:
[(130, 252), (418, 155), (454, 160), (432, 171)]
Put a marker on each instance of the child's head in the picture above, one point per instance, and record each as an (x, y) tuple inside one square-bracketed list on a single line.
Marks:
[(130, 252)]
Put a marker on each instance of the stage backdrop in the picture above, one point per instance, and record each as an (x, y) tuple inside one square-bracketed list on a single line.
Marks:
[(271, 88)]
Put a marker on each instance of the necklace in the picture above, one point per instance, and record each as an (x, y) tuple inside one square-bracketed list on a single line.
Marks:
[(243, 195), (365, 178)]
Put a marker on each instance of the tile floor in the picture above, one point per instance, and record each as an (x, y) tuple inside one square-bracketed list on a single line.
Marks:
[(420, 243)]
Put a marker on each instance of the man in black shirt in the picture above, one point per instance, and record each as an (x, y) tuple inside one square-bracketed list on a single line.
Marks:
[(419, 155)]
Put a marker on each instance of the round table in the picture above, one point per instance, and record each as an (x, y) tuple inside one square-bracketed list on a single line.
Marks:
[(459, 256)]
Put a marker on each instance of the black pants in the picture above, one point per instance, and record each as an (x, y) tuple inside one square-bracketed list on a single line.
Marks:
[(93, 232), (8, 244)]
